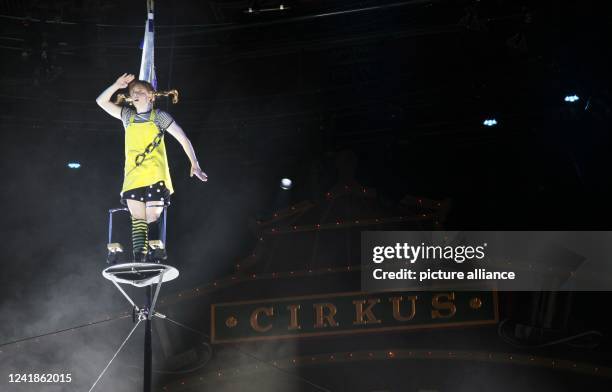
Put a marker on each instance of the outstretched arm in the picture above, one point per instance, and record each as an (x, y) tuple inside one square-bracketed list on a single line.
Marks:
[(175, 130), (104, 100)]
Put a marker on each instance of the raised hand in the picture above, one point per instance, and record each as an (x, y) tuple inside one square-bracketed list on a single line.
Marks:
[(124, 80), (198, 173)]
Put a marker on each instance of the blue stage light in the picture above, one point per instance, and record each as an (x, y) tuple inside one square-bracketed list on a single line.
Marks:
[(74, 165), (489, 122), (571, 98)]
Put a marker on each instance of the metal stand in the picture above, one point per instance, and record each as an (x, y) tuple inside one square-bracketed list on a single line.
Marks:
[(115, 249), (145, 275), (125, 209), (164, 274), (148, 351)]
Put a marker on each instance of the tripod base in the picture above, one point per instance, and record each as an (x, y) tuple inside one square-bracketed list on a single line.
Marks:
[(140, 274)]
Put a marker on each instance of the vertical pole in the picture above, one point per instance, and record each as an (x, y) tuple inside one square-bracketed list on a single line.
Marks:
[(164, 223), (147, 72), (110, 226), (148, 352)]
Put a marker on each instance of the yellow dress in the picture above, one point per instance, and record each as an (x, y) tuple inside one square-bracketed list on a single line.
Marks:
[(154, 167)]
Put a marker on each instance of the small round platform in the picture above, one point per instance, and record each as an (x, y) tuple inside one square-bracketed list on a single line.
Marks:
[(140, 274)]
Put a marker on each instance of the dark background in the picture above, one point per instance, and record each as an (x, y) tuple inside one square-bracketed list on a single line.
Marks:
[(403, 86)]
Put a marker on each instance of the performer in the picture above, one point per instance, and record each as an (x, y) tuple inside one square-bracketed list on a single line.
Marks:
[(146, 184)]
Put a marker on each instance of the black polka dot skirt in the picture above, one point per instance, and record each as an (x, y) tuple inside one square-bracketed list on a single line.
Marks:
[(154, 192)]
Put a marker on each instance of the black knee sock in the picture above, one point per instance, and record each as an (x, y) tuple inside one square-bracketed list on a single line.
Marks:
[(139, 236), (154, 231)]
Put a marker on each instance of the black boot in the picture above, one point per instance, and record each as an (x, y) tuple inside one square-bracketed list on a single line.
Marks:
[(112, 258), (140, 257), (114, 251)]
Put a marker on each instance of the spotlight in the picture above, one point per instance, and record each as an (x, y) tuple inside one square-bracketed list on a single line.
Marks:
[(74, 165), (286, 184), (571, 98), (490, 122)]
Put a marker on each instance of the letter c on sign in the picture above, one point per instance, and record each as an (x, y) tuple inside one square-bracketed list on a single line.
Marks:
[(255, 319)]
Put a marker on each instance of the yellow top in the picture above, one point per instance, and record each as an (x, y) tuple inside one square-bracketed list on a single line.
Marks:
[(155, 167)]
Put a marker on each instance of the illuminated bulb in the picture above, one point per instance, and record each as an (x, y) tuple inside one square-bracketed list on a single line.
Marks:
[(490, 122), (571, 98), (286, 184), (74, 165)]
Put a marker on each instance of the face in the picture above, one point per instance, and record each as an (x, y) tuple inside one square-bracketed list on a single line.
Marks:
[(140, 95)]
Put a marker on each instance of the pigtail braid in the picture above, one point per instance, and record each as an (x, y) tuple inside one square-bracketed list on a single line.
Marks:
[(122, 99), (170, 93)]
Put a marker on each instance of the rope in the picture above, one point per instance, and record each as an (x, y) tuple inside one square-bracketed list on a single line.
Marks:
[(67, 22), (114, 356), (63, 330), (224, 27)]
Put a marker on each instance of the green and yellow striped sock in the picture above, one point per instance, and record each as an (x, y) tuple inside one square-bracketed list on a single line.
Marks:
[(139, 236)]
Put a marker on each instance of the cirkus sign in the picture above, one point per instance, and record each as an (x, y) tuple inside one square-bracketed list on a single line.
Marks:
[(345, 313)]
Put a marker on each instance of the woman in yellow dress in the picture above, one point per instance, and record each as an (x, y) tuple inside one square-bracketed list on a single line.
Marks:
[(147, 184)]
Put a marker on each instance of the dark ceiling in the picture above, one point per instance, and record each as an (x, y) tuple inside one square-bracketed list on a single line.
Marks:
[(405, 85)]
